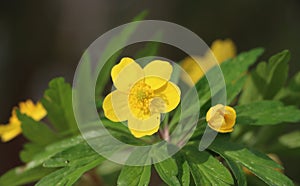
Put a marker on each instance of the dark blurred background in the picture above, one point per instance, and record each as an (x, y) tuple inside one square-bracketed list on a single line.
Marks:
[(40, 40)]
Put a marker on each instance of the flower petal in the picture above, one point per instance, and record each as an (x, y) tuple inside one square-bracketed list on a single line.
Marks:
[(140, 128), (223, 49), (35, 111), (157, 73), (126, 73), (115, 106), (10, 131), (170, 94), (192, 69), (139, 134)]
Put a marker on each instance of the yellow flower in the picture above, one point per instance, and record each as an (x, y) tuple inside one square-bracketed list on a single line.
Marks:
[(13, 128), (221, 118), (141, 95), (221, 50)]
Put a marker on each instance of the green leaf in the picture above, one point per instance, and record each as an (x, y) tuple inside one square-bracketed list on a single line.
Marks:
[(183, 170), (58, 103), (266, 113), (168, 171), (291, 140), (135, 175), (238, 172), (259, 164), (234, 71), (120, 39), (72, 156), (35, 131), (207, 170), (29, 151), (21, 176), (67, 176), (51, 150), (108, 168), (291, 94), (75, 156), (267, 79)]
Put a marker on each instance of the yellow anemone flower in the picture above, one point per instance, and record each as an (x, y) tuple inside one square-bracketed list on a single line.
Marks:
[(13, 128), (141, 95), (221, 118), (221, 50)]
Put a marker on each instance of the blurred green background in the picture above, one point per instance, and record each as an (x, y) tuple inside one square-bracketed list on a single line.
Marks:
[(40, 40)]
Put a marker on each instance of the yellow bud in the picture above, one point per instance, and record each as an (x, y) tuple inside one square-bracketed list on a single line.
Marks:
[(221, 118)]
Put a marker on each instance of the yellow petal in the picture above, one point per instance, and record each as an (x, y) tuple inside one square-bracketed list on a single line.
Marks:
[(170, 94), (230, 117), (157, 73), (10, 131), (223, 49), (115, 106), (140, 128), (14, 118), (221, 118), (126, 73), (37, 112), (3, 128), (192, 69), (139, 134)]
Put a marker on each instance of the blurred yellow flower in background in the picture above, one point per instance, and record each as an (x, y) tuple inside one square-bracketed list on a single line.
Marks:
[(13, 128), (141, 95), (221, 50), (221, 118)]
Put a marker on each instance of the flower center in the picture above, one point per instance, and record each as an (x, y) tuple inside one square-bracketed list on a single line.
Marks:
[(140, 97)]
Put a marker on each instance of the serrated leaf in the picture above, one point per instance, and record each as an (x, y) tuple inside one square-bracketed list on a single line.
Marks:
[(135, 175), (259, 164), (183, 170), (58, 103), (291, 94), (234, 71), (67, 176), (206, 169), (267, 79), (167, 170), (29, 150), (237, 172), (71, 156), (290, 140), (21, 176), (266, 113), (51, 150), (35, 131)]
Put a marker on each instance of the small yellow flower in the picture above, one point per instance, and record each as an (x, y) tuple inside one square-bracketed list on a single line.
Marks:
[(221, 118), (221, 50), (13, 128), (141, 95)]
